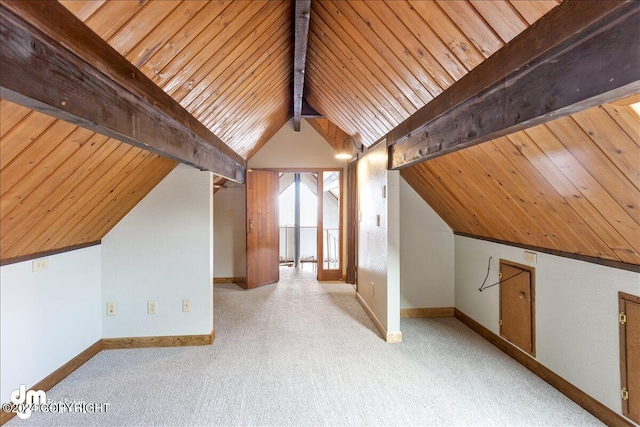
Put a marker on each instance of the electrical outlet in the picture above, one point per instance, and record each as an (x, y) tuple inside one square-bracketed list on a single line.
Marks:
[(378, 220), (530, 257), (186, 305), (232, 213), (111, 309), (40, 264), (152, 307)]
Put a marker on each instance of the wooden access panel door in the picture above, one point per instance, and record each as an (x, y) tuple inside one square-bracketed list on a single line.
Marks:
[(517, 298), (262, 228), (630, 355)]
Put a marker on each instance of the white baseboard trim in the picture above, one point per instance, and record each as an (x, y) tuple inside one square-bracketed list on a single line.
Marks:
[(390, 337)]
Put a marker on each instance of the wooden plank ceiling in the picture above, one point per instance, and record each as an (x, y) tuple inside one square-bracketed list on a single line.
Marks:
[(572, 184)]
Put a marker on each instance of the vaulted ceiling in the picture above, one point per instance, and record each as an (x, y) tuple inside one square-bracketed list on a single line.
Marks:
[(370, 65)]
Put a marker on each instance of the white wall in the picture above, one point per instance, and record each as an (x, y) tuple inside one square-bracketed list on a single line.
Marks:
[(230, 230), (576, 312), (48, 317), (378, 243), (162, 251), (290, 149), (426, 254)]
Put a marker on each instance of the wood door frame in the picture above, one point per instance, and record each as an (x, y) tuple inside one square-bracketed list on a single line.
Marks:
[(532, 286), (320, 273), (326, 275), (622, 299)]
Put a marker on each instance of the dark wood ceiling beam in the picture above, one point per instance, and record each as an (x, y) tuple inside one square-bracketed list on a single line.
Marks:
[(53, 63), (581, 54), (302, 14)]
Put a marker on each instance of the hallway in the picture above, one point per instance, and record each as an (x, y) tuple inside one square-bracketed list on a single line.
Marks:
[(304, 353)]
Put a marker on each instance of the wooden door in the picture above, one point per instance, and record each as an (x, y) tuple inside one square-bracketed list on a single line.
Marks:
[(630, 355), (517, 305), (262, 228)]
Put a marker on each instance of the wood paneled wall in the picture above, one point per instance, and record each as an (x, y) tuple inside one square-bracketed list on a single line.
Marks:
[(572, 185)]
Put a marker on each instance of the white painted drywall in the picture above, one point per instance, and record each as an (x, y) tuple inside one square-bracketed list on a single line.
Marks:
[(230, 230), (379, 245), (290, 149), (48, 317), (576, 312), (426, 254), (162, 251)]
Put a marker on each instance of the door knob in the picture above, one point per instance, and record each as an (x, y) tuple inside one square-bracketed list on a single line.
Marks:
[(522, 295)]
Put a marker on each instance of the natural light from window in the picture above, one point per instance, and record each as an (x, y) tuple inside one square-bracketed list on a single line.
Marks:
[(308, 206)]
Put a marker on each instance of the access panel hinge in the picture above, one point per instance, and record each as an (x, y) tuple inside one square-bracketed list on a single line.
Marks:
[(622, 318), (624, 393)]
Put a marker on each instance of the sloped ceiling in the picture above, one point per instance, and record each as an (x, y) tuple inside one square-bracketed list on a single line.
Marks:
[(372, 64), (572, 185)]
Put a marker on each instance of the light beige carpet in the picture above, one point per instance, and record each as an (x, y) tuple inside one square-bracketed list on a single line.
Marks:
[(303, 353)]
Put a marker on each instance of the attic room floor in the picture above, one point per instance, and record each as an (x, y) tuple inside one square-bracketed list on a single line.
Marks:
[(303, 353)]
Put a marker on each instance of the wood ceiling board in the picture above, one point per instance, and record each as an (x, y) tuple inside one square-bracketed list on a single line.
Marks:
[(523, 212), (622, 151), (572, 196), (349, 33), (21, 135), (222, 25), (181, 137), (531, 11), (35, 152), (112, 16), (157, 38), (253, 33), (51, 189), (330, 132), (352, 56), (144, 22), (518, 183), (588, 186), (10, 115), (502, 17), (445, 29), (460, 118), (186, 40), (40, 168), (244, 101), (330, 75), (255, 56), (472, 25), (83, 9), (340, 46), (275, 123), (551, 201), (627, 118), (227, 103), (219, 93), (365, 34), (416, 38), (599, 166), (471, 195), (400, 51)]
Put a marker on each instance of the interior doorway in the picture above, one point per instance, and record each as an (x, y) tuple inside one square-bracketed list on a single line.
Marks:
[(309, 223), (298, 221)]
